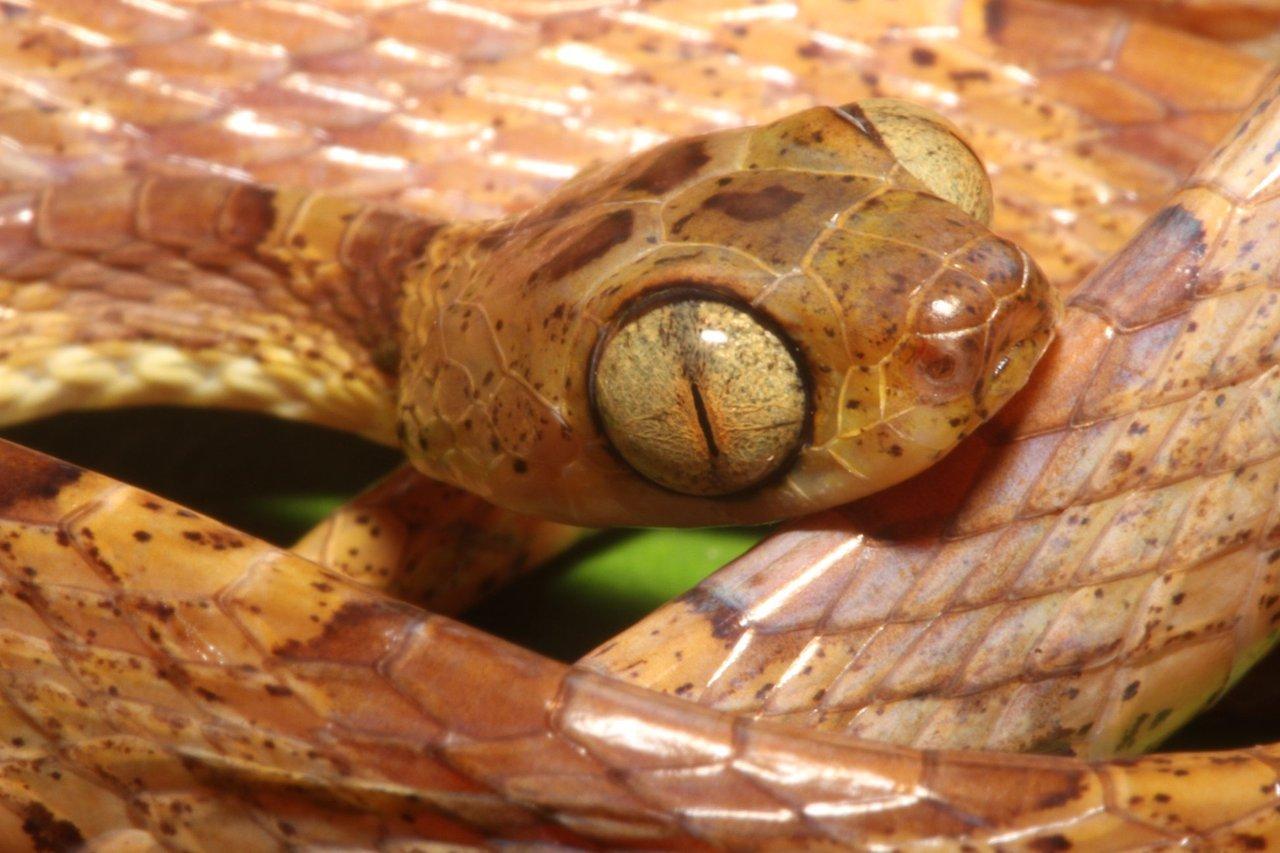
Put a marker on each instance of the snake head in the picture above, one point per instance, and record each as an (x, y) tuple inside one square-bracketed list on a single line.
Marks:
[(731, 328)]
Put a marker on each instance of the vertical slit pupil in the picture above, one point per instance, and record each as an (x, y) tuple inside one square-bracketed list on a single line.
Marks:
[(704, 422)]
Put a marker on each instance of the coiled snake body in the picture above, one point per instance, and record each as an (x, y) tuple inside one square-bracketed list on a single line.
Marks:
[(171, 683)]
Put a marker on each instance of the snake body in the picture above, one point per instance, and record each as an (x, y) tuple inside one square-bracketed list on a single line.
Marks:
[(232, 694), (209, 703)]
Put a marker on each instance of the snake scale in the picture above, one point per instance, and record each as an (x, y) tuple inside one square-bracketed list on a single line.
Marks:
[(170, 683)]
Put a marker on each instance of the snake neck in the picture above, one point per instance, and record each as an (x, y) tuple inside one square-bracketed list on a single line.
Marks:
[(353, 263), (209, 292), (439, 279)]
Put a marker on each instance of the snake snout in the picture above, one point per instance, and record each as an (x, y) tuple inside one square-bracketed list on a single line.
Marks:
[(1018, 333), (980, 330), (976, 331)]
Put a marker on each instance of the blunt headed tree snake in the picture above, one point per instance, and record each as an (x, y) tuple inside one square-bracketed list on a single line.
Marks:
[(738, 325)]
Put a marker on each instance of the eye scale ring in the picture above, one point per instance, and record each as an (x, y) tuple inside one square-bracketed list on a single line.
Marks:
[(698, 395)]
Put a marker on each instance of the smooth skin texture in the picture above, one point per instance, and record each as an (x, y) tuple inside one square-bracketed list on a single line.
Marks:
[(1114, 811)]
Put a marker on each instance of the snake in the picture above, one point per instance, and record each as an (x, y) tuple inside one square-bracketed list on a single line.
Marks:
[(172, 683)]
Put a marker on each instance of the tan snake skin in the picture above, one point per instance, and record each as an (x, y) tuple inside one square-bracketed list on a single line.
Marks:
[(700, 759)]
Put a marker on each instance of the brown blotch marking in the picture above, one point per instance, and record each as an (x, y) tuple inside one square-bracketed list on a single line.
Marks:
[(387, 242), (1131, 690), (30, 477), (1050, 843), (410, 243), (1074, 789), (1130, 734), (248, 216), (860, 120), (207, 694), (1121, 461), (142, 535), (31, 594), (994, 18), (766, 203), (48, 833), (1059, 741), (358, 632), (1250, 842), (726, 621), (606, 233), (1154, 273), (175, 675), (671, 168), (923, 56), (162, 611)]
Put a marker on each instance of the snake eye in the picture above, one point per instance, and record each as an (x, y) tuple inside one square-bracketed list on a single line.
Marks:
[(933, 151), (699, 396)]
